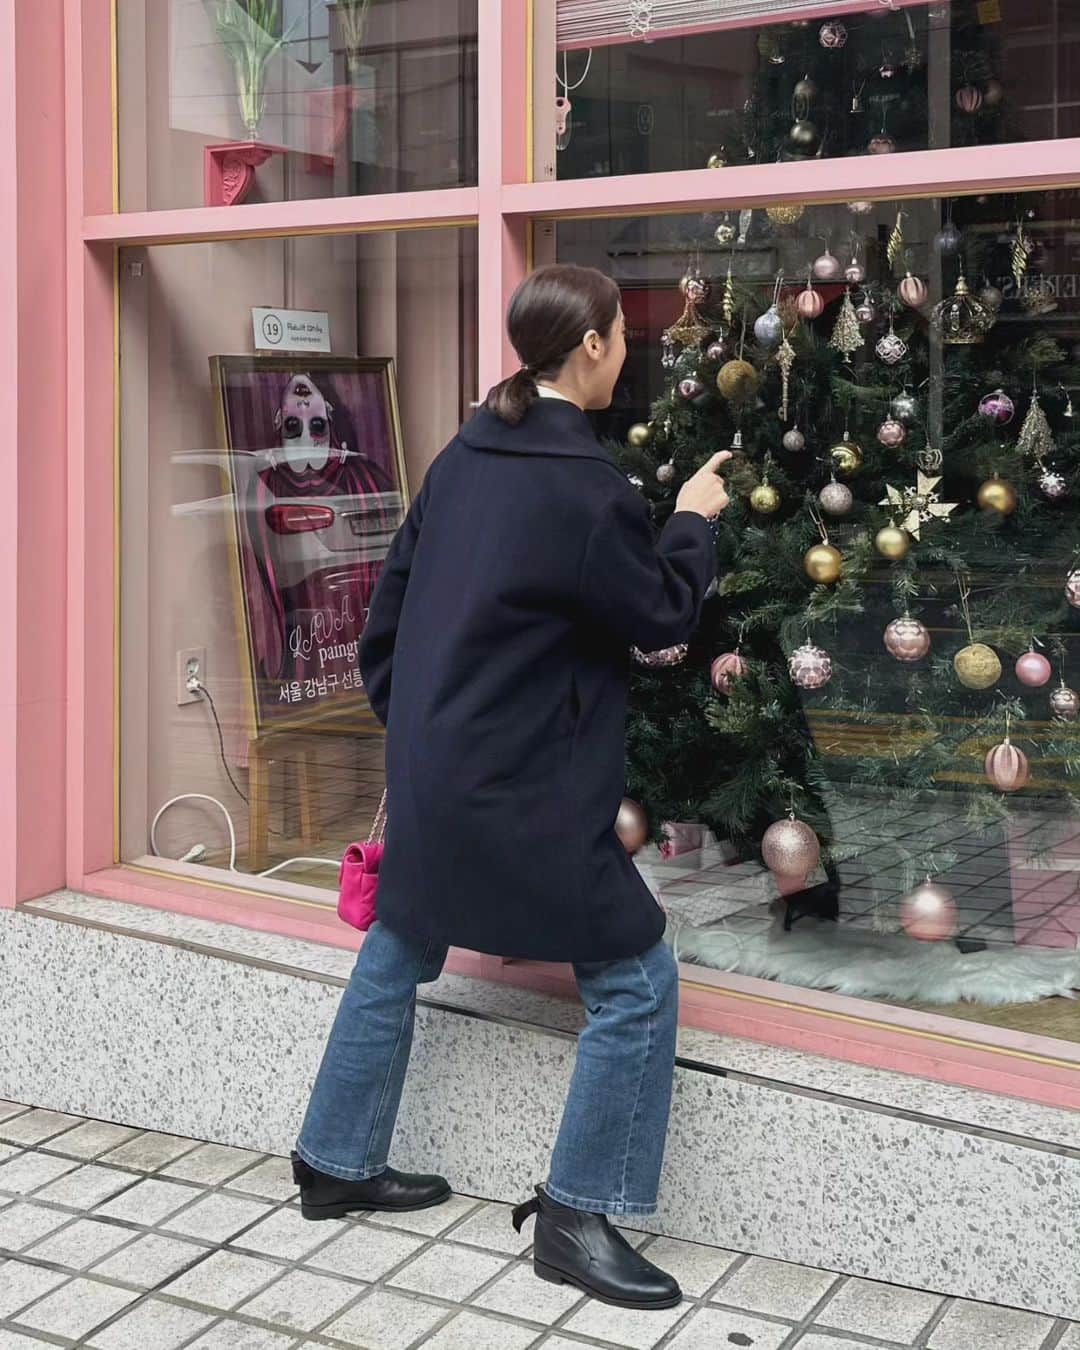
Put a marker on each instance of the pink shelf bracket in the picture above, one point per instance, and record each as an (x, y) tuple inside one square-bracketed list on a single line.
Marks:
[(229, 170)]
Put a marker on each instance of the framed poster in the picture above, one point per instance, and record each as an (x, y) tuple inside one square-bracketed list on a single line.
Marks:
[(315, 481)]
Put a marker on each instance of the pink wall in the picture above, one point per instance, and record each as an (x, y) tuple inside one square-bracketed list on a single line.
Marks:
[(33, 541)]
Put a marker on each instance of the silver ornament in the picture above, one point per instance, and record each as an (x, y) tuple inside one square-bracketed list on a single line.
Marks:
[(1065, 703), (665, 473), (854, 273), (836, 499), (891, 347), (1052, 484), (1072, 589), (905, 407), (810, 667), (794, 440), (724, 233), (769, 328), (666, 656), (865, 312)]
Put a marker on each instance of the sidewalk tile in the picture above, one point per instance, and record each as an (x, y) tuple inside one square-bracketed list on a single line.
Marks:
[(365, 1253), (21, 1284), (223, 1280), (210, 1164), (76, 1308), (385, 1321), (23, 1223), (285, 1233), (520, 1293), (301, 1299), (87, 1186), (92, 1138), (448, 1272), (271, 1180), (696, 1266), (884, 1310), (29, 1171), (238, 1336), (491, 1227), (639, 1329), (216, 1218), (149, 1260), (990, 1328), (776, 1288), (150, 1151), (470, 1331), (149, 1202), (36, 1127), (163, 1326), (432, 1221), (710, 1328), (81, 1244)]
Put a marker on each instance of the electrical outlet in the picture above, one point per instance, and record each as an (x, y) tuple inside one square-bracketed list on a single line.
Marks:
[(190, 663)]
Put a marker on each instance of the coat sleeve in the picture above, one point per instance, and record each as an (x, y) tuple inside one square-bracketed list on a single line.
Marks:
[(380, 630), (647, 591)]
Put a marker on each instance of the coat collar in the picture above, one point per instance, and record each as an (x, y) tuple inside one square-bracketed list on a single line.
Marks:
[(550, 427)]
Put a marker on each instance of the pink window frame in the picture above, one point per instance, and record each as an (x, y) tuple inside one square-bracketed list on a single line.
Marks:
[(58, 792)]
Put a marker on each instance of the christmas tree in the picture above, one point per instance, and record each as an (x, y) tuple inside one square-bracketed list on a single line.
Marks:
[(896, 583)]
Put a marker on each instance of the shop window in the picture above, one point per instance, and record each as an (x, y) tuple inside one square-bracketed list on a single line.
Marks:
[(280, 401), (223, 101), (888, 672), (644, 88)]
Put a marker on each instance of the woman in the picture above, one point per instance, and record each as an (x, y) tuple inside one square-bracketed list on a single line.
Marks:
[(497, 655)]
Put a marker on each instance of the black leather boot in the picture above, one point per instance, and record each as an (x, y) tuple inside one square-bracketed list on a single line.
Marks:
[(572, 1246), (325, 1197)]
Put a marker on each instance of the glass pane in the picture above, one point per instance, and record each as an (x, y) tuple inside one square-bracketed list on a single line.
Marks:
[(892, 652), (260, 490), (734, 83), (222, 101)]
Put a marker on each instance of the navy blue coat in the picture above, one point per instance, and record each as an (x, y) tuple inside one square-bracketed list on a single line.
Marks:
[(497, 654)]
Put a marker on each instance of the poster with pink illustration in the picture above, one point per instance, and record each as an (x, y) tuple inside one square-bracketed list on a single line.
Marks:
[(316, 480)]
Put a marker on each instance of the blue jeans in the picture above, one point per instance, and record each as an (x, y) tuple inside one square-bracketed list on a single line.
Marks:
[(610, 1146)]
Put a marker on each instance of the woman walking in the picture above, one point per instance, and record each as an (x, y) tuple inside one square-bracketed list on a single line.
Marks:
[(497, 655)]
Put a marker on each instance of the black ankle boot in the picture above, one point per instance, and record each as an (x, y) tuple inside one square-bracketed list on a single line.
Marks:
[(571, 1246), (325, 1197)]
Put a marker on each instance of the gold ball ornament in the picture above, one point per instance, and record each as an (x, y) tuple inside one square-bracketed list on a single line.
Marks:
[(790, 848), (765, 499), (737, 380), (892, 542), (717, 160), (640, 434), (823, 563), (846, 455), (785, 213), (977, 666), (631, 825), (997, 495)]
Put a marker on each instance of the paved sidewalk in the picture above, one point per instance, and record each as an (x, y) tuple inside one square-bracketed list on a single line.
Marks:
[(122, 1239)]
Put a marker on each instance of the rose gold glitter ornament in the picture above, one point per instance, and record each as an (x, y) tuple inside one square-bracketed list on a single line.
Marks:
[(907, 639), (928, 912), (790, 848)]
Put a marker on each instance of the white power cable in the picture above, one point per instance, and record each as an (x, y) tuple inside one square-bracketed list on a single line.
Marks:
[(198, 851)]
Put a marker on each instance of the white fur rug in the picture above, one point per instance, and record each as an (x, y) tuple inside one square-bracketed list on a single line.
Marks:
[(817, 954)]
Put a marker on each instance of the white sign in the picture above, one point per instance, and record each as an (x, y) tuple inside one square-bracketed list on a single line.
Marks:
[(291, 330)]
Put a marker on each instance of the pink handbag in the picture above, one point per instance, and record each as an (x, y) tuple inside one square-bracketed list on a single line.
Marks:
[(359, 875)]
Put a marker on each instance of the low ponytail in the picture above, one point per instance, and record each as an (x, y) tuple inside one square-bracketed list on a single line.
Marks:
[(510, 399), (549, 315)]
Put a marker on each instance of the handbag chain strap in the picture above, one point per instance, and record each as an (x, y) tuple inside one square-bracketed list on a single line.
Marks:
[(378, 825)]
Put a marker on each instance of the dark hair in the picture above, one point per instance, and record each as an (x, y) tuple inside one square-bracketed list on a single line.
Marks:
[(549, 314)]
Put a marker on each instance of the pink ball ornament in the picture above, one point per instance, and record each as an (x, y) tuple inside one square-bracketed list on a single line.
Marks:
[(826, 268), (1033, 669), (1007, 766), (809, 304), (969, 99), (790, 848), (881, 145), (691, 388), (928, 912), (907, 639), (1065, 703), (913, 292), (717, 350), (631, 825), (997, 407), (865, 312), (891, 433), (810, 667), (854, 273), (730, 666)]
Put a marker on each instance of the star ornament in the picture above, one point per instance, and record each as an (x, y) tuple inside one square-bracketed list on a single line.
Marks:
[(919, 504)]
